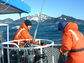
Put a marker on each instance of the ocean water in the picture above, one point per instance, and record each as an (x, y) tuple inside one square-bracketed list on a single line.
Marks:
[(45, 31)]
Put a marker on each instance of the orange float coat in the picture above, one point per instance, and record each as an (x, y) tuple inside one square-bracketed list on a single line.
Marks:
[(72, 39), (23, 33)]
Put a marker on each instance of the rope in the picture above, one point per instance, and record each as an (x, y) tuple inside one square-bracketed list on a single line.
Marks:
[(35, 33)]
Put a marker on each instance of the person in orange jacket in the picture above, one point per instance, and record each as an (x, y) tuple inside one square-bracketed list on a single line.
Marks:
[(23, 33), (72, 42)]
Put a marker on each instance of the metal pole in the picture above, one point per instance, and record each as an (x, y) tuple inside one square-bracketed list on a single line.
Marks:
[(35, 33), (2, 55), (41, 54), (8, 57), (52, 55), (7, 32)]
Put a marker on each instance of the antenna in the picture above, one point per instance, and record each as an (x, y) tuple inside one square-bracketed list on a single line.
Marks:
[(35, 33)]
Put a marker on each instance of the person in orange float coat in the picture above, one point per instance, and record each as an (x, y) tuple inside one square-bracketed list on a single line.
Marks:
[(23, 32), (72, 42)]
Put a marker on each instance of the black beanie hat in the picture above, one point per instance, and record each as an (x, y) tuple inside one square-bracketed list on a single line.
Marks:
[(28, 23)]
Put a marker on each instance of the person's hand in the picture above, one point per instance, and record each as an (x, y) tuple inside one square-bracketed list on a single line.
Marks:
[(21, 46), (61, 52), (36, 42), (43, 44)]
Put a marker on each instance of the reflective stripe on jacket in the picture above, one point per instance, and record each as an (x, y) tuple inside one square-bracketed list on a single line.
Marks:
[(22, 33)]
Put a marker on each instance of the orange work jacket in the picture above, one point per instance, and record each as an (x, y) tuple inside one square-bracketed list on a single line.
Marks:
[(23, 33), (72, 39)]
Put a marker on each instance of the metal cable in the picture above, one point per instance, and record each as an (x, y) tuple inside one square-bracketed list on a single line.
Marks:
[(35, 33)]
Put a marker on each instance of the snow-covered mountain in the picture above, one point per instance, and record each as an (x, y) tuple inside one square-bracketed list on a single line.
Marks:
[(43, 18), (69, 18), (39, 17), (7, 20), (35, 18)]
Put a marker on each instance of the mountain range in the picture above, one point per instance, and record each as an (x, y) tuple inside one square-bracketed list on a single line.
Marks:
[(43, 18)]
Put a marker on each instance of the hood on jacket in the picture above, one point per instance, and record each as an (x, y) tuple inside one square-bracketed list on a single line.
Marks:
[(62, 25), (24, 26), (71, 25)]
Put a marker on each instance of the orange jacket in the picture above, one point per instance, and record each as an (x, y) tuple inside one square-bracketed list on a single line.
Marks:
[(23, 33), (72, 39)]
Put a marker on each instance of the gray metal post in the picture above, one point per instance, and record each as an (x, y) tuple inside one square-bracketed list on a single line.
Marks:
[(8, 45)]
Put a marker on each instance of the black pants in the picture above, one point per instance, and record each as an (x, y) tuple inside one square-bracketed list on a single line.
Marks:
[(62, 59)]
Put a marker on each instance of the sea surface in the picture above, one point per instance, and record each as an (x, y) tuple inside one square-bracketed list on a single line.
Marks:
[(45, 31)]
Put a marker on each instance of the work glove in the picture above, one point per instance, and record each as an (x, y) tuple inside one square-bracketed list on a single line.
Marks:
[(64, 52), (36, 42), (61, 52), (43, 44)]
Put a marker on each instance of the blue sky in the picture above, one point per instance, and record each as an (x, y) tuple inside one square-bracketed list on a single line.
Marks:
[(53, 8)]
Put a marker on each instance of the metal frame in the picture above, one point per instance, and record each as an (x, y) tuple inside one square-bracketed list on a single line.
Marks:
[(1, 24), (7, 36), (26, 48)]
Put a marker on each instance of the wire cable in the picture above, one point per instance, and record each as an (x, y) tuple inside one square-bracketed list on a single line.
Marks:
[(35, 33)]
